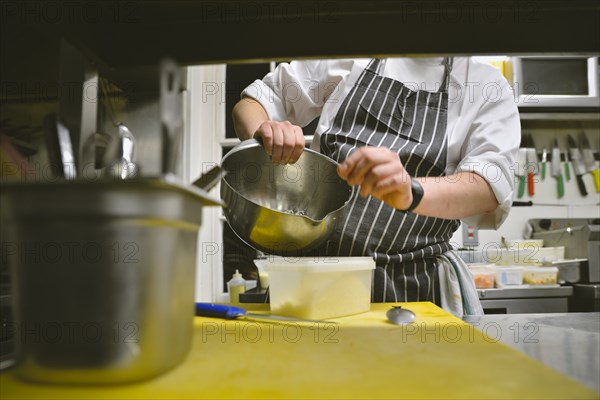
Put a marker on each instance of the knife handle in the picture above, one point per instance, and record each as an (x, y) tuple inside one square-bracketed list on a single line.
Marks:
[(521, 191), (596, 175), (219, 310), (560, 185), (567, 171), (543, 170), (530, 185), (581, 185)]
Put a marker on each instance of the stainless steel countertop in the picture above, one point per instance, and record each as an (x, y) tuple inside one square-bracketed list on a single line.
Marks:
[(569, 342)]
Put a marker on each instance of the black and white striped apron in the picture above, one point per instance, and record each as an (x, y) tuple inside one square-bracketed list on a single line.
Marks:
[(381, 111)]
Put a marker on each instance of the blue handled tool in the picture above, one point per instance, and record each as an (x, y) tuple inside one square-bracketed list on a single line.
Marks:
[(231, 312)]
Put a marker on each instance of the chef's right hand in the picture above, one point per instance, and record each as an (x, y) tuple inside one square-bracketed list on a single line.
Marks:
[(283, 141)]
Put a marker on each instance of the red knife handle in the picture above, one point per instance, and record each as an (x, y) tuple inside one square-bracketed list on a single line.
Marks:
[(530, 186)]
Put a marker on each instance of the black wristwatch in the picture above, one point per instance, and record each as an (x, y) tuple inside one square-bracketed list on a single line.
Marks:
[(417, 193)]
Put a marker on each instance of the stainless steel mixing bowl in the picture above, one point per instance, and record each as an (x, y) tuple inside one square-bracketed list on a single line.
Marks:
[(282, 209)]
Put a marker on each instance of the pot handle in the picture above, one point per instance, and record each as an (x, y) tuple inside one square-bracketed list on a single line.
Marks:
[(209, 179)]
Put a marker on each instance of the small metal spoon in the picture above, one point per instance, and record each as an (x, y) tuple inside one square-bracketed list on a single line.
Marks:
[(400, 316)]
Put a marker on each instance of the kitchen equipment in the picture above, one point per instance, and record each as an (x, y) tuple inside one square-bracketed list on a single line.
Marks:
[(532, 163), (588, 158), (170, 115), (400, 316), (556, 81), (544, 159), (210, 178), (567, 168), (282, 209), (483, 275), (231, 312), (313, 288), (120, 155), (581, 240), (508, 276), (521, 170), (578, 164), (102, 276), (540, 275), (362, 357), (60, 148), (557, 169)]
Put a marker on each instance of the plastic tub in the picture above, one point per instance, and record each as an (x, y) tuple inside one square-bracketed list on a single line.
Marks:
[(313, 288), (483, 275), (540, 275), (508, 276)]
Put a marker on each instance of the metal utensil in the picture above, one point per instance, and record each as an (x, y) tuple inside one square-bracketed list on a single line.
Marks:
[(263, 199), (60, 148), (400, 316), (231, 312), (588, 158), (125, 266), (210, 178), (544, 159), (578, 164), (557, 169), (170, 114), (120, 154)]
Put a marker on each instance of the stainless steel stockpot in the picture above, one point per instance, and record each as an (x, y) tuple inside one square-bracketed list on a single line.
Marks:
[(102, 276)]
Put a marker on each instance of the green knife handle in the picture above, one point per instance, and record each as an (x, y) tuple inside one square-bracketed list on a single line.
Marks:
[(560, 186), (521, 191), (567, 171), (543, 170)]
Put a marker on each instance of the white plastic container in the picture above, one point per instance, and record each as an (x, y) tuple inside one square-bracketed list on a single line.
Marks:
[(483, 275), (508, 276), (540, 275), (320, 288)]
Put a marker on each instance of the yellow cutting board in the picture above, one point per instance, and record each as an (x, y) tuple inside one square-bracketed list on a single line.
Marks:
[(363, 356)]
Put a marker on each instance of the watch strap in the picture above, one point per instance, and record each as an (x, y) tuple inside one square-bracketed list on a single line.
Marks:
[(417, 192)]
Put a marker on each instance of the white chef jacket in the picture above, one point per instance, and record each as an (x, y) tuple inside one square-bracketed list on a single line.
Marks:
[(483, 129)]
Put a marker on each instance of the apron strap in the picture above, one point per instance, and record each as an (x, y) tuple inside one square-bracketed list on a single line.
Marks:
[(448, 61), (376, 66)]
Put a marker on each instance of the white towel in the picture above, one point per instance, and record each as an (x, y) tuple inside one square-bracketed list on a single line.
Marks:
[(457, 287)]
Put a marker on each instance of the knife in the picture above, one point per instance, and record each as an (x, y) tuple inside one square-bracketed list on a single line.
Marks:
[(557, 169), (567, 168), (578, 165), (544, 159), (231, 312), (588, 158), (532, 163), (521, 170)]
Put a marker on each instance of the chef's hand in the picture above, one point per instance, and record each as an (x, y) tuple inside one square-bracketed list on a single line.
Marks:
[(380, 173), (283, 141)]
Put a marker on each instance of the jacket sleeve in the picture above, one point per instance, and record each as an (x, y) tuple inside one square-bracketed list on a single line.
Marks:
[(297, 91), (491, 148)]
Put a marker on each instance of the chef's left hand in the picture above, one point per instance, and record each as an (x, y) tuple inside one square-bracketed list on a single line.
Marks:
[(380, 173)]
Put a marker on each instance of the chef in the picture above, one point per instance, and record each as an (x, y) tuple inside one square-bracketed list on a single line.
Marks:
[(429, 142)]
